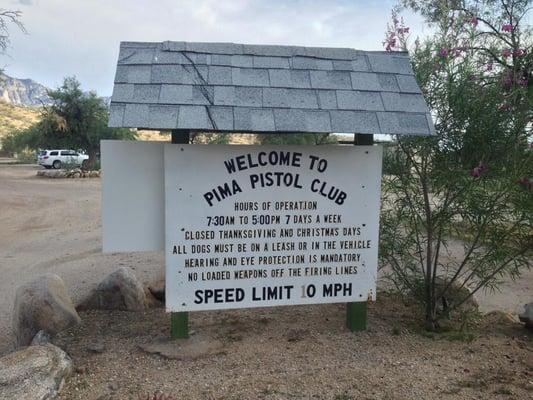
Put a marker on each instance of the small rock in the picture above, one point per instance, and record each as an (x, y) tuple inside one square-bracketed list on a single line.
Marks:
[(40, 339), (527, 316), (75, 173), (113, 386), (42, 304), (296, 335), (193, 348), (96, 347), (120, 290), (34, 373)]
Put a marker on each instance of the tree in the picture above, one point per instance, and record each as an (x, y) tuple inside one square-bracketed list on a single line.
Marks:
[(471, 180), (8, 17), (74, 120), (296, 138)]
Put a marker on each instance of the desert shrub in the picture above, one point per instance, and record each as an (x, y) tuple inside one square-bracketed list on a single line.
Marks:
[(474, 174)]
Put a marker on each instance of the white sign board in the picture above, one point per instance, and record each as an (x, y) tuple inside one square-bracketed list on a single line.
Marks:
[(256, 226), (133, 196)]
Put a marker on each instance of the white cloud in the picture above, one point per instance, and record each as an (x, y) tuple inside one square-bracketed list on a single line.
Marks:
[(74, 37)]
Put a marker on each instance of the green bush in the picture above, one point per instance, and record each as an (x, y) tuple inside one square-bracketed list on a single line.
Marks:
[(475, 173)]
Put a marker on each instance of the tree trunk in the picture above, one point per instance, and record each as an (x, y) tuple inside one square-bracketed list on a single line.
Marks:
[(89, 165)]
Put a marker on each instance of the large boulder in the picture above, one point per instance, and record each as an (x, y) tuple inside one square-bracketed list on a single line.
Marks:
[(527, 316), (34, 373), (120, 290), (42, 304)]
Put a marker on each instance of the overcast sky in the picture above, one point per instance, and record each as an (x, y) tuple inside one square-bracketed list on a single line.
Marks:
[(81, 37)]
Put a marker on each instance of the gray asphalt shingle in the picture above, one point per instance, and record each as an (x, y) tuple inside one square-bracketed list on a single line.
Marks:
[(270, 62), (356, 100), (250, 77), (327, 99), (330, 80), (374, 82), (289, 78), (164, 116), (291, 120), (357, 121), (116, 115), (253, 119), (403, 123), (407, 102), (238, 96), (133, 74), (236, 87), (146, 93)]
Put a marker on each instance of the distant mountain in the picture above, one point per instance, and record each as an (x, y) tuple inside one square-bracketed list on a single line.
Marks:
[(22, 92)]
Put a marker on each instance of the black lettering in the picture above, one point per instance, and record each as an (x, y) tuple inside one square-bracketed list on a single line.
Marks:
[(230, 166), (209, 198)]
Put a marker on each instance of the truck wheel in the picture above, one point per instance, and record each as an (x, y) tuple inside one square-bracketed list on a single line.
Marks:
[(84, 164), (57, 164)]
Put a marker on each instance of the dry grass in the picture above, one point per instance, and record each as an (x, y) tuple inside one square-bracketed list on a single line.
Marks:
[(16, 117)]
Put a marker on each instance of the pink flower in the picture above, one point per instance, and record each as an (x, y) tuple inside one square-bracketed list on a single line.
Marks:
[(507, 27), (506, 53), (458, 50), (389, 43), (477, 171), (443, 52), (489, 66), (474, 21), (519, 52)]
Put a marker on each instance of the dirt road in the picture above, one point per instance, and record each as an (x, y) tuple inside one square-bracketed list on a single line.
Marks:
[(54, 226)]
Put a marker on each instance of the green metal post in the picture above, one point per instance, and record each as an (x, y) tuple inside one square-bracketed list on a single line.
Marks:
[(356, 314), (179, 321), (179, 325)]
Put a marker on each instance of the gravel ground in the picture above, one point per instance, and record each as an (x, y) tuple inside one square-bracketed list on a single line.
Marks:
[(301, 352), (288, 352)]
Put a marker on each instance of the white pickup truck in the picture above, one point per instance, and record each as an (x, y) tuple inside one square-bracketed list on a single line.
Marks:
[(57, 158)]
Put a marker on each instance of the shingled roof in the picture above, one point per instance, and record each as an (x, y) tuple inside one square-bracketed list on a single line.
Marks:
[(259, 88)]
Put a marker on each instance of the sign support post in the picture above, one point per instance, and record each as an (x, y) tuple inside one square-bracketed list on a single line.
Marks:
[(356, 313), (179, 321)]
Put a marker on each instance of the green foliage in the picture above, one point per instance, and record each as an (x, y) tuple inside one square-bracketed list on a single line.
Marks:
[(476, 171), (21, 140), (26, 157), (296, 138), (210, 138), (76, 120)]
